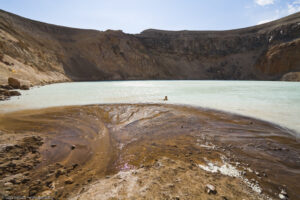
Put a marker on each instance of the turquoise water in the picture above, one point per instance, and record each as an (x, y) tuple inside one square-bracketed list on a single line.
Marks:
[(277, 102)]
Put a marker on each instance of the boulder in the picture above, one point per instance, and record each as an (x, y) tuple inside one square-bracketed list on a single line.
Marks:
[(15, 83)]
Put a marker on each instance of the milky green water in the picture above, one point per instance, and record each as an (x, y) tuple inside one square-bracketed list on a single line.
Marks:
[(277, 102)]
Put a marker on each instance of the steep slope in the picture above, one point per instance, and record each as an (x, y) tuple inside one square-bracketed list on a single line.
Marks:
[(40, 52)]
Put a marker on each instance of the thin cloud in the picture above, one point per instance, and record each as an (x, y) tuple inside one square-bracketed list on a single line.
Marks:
[(264, 2), (294, 7), (264, 21)]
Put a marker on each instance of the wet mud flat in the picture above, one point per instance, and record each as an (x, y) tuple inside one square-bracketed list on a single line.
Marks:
[(145, 151)]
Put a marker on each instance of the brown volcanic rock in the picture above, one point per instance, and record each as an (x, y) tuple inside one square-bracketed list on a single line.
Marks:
[(44, 53), (14, 83)]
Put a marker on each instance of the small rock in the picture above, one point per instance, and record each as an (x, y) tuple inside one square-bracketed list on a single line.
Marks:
[(282, 197), (210, 189), (69, 181), (53, 145), (73, 147), (224, 198), (24, 87)]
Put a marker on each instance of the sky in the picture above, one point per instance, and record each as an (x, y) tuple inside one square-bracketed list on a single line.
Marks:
[(134, 16)]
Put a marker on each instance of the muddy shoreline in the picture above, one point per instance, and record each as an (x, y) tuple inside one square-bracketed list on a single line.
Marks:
[(168, 150)]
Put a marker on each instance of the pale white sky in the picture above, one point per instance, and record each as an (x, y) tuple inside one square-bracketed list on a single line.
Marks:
[(133, 16)]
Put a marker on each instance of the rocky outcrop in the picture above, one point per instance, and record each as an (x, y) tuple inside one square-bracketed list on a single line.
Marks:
[(291, 76), (43, 53)]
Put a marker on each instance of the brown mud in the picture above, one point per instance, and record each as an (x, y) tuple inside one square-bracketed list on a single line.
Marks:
[(145, 151)]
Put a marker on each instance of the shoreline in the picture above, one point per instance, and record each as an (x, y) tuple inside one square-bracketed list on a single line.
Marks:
[(137, 135), (237, 98)]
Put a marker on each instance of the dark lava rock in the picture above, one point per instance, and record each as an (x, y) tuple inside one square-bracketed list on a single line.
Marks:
[(6, 87)]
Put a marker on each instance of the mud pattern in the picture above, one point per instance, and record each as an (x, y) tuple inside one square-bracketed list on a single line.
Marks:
[(145, 151)]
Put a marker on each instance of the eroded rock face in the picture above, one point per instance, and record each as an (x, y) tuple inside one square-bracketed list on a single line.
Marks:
[(44, 53)]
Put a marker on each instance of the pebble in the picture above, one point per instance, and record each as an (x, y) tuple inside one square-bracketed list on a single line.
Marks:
[(53, 145), (73, 147), (282, 197), (69, 181), (210, 189)]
